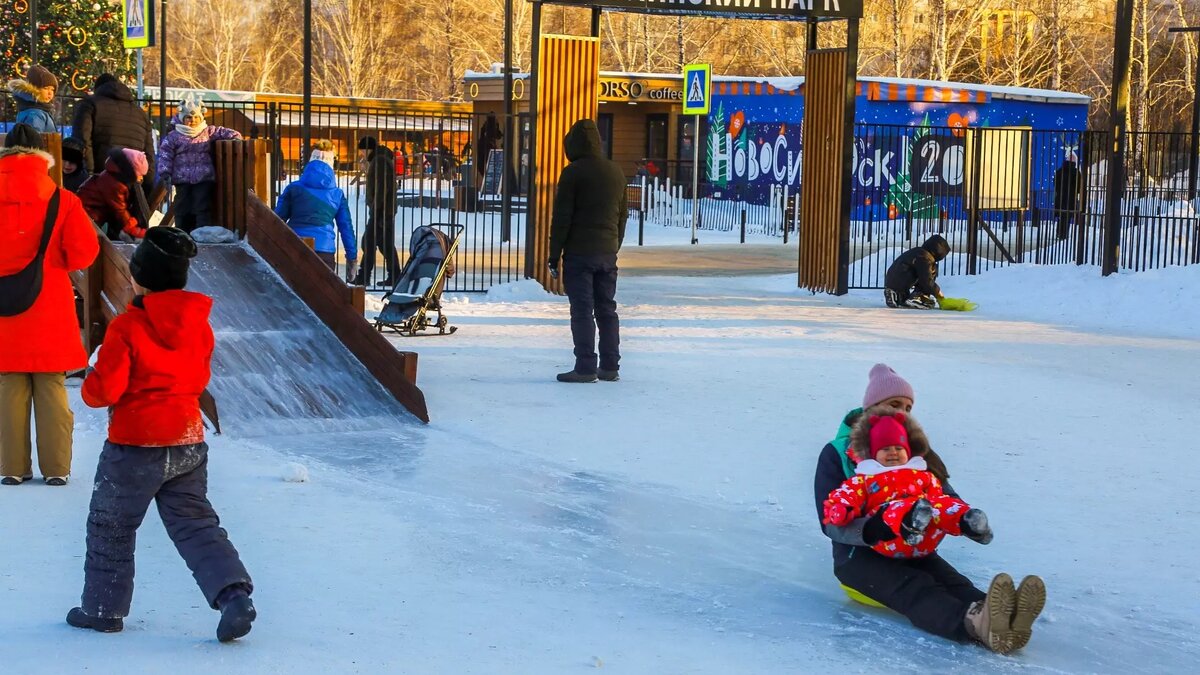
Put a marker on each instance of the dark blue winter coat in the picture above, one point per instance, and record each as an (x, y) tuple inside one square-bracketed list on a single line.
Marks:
[(312, 204)]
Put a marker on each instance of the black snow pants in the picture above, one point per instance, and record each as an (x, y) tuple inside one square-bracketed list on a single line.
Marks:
[(591, 285), (928, 591), (193, 205), (128, 478)]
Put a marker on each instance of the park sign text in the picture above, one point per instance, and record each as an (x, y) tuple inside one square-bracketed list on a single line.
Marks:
[(757, 9)]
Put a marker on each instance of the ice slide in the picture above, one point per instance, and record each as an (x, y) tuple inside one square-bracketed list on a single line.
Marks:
[(277, 368)]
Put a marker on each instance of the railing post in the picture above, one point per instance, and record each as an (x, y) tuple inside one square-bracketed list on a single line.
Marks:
[(743, 237), (641, 226), (93, 313), (973, 216)]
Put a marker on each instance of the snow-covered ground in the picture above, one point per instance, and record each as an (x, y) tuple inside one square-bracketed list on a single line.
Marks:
[(665, 523)]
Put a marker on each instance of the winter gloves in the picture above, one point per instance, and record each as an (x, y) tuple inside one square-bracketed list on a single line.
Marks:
[(838, 514), (876, 530)]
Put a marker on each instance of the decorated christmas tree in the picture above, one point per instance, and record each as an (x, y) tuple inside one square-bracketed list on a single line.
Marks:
[(77, 40)]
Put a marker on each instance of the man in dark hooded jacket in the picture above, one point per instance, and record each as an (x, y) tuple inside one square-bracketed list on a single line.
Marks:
[(911, 281), (111, 118), (586, 232)]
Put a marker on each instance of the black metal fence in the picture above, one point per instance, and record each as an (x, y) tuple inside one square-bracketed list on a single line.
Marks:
[(998, 195), (441, 176), (1009, 195)]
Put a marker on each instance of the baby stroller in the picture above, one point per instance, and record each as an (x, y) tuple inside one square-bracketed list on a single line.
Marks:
[(408, 305)]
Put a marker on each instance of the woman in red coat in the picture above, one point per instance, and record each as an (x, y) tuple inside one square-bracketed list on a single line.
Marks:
[(40, 344)]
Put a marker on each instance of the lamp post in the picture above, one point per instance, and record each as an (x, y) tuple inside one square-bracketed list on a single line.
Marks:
[(1194, 154), (306, 128), (1119, 119), (33, 31), (162, 74), (506, 186)]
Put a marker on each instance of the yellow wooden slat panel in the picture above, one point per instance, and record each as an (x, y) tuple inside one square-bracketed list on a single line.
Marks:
[(821, 187), (568, 86)]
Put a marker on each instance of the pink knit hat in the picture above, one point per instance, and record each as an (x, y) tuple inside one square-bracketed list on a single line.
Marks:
[(883, 383), (137, 159)]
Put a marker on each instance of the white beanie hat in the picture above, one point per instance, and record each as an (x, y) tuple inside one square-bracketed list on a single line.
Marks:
[(190, 105), (327, 156)]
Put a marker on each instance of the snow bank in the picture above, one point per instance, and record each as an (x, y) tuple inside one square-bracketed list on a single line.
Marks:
[(518, 291), (1156, 302)]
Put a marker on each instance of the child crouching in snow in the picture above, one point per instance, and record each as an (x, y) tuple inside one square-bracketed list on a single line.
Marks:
[(150, 372), (892, 481), (114, 197)]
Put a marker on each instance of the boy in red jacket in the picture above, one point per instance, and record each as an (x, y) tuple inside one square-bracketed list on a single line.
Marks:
[(150, 372), (910, 497)]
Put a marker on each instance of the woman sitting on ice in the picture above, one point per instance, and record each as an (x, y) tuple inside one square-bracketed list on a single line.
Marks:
[(927, 590)]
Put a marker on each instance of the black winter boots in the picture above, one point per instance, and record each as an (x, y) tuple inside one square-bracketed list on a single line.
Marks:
[(577, 377), (78, 619), (237, 613), (912, 528), (602, 374)]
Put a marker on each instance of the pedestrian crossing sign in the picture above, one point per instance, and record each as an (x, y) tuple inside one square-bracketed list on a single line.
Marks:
[(697, 89)]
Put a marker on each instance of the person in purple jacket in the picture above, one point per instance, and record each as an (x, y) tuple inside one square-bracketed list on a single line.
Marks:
[(185, 160)]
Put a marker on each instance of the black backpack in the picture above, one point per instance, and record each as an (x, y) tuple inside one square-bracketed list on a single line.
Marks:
[(20, 290)]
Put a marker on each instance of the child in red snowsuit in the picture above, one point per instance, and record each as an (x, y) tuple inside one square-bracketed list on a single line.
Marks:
[(910, 497), (149, 373)]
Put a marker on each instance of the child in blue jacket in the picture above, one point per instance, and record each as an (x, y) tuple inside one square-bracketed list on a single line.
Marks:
[(311, 206)]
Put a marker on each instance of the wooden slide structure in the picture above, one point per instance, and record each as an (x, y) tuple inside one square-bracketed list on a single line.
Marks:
[(292, 343)]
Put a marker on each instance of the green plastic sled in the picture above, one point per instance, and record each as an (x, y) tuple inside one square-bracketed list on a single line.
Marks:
[(956, 305)]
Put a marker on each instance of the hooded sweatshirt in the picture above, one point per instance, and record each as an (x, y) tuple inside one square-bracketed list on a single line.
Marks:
[(589, 206), (311, 206), (916, 271), (152, 368)]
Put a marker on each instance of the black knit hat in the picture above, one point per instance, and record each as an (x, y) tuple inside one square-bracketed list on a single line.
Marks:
[(72, 150), (104, 78), (367, 143), (24, 136), (161, 261)]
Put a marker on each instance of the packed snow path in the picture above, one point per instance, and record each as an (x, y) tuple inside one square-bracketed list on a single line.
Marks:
[(665, 523)]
